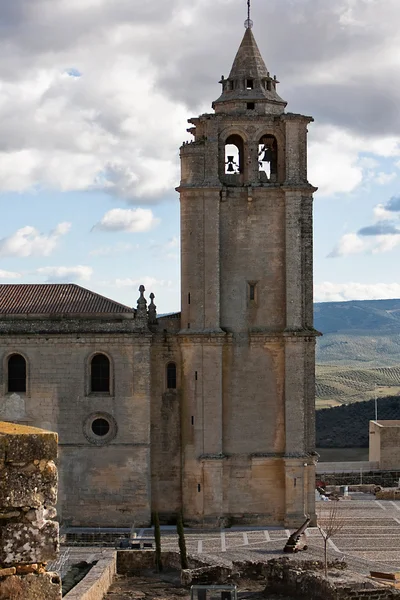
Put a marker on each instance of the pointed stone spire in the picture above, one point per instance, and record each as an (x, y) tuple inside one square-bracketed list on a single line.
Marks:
[(249, 82), (152, 310), (248, 61), (141, 311)]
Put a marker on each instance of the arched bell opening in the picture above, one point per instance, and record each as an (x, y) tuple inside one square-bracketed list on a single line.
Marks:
[(268, 158), (234, 150), (234, 160)]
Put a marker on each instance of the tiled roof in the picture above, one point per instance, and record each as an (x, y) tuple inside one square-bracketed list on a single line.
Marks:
[(55, 298)]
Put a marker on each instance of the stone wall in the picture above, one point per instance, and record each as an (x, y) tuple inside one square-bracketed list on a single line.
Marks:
[(103, 481), (28, 495), (290, 577), (384, 443)]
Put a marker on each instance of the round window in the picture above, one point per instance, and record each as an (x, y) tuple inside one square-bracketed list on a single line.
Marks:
[(100, 427)]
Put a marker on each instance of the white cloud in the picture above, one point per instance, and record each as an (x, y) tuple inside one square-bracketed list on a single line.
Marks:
[(381, 214), (333, 160), (338, 292), (336, 164), (9, 275), (350, 243), (28, 241), (385, 178), (66, 274), (95, 94), (136, 220)]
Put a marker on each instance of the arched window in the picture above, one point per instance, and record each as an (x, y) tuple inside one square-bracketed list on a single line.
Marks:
[(268, 156), (100, 374), (16, 373), (171, 376), (234, 150)]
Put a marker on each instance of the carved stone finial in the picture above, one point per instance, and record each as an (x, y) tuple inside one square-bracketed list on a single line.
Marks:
[(141, 311), (152, 310)]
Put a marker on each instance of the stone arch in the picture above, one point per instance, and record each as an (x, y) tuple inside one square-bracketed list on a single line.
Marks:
[(99, 375), (233, 156), (272, 142), (14, 382), (171, 375)]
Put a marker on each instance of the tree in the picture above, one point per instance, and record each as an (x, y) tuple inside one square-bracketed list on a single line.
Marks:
[(330, 522), (157, 538), (182, 543)]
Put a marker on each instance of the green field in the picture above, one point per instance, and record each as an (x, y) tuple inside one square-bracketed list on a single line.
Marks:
[(336, 385)]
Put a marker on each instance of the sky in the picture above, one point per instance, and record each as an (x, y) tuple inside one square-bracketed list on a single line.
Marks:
[(94, 101)]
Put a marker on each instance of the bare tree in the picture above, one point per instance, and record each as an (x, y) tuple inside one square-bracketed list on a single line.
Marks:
[(330, 522)]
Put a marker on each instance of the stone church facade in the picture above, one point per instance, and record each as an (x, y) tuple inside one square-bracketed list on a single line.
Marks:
[(209, 411)]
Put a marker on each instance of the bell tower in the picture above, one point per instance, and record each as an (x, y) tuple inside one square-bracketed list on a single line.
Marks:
[(247, 337)]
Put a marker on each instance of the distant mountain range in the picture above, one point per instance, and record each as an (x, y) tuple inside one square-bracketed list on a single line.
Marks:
[(359, 332)]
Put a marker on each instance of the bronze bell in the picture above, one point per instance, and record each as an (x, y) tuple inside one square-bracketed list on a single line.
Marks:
[(230, 161), (267, 154)]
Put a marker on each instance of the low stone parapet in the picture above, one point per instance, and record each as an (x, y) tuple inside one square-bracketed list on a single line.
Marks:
[(388, 494), (97, 582), (28, 495)]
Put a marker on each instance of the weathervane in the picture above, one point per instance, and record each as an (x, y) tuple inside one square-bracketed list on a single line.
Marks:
[(248, 23)]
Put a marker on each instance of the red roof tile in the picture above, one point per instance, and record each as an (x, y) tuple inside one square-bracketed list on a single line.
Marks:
[(55, 298)]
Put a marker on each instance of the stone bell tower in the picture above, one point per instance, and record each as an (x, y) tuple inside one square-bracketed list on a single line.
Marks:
[(247, 336)]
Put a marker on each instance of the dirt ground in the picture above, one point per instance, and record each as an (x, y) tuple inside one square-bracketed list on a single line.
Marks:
[(151, 588)]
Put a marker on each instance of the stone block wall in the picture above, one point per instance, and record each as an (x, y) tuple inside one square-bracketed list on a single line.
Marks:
[(28, 495)]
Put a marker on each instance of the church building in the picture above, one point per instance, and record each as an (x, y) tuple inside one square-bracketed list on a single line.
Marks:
[(209, 411)]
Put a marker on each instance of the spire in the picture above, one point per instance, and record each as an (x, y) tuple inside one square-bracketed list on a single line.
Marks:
[(152, 310), (248, 61), (141, 311), (249, 80)]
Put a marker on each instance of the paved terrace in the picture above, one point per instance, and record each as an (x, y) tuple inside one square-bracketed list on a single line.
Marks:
[(369, 539)]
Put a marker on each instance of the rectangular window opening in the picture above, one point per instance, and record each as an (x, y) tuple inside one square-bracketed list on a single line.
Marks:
[(195, 375), (192, 420), (188, 326), (252, 292), (249, 84), (269, 86), (251, 105), (198, 487), (189, 298)]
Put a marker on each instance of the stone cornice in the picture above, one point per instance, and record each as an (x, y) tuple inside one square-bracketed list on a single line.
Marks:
[(30, 327), (292, 456), (284, 187)]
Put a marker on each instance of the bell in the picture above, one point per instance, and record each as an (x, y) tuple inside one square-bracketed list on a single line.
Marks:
[(231, 168), (267, 154)]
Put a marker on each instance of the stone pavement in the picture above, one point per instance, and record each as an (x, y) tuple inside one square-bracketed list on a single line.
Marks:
[(369, 540)]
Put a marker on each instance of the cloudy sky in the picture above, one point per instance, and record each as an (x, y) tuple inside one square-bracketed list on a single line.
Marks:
[(94, 97)]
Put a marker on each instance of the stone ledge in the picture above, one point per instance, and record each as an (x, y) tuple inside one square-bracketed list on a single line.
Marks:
[(97, 582), (23, 444)]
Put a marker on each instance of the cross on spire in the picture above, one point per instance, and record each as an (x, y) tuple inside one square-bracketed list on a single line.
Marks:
[(248, 23)]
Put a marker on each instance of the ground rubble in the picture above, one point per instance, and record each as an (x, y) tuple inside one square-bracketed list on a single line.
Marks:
[(285, 578)]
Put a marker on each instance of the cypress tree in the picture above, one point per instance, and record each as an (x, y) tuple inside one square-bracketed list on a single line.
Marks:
[(182, 543), (157, 538)]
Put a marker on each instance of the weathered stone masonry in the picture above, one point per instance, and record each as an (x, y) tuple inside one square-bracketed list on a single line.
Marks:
[(28, 495)]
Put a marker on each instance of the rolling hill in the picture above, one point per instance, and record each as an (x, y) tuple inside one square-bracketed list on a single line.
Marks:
[(348, 426), (359, 353)]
